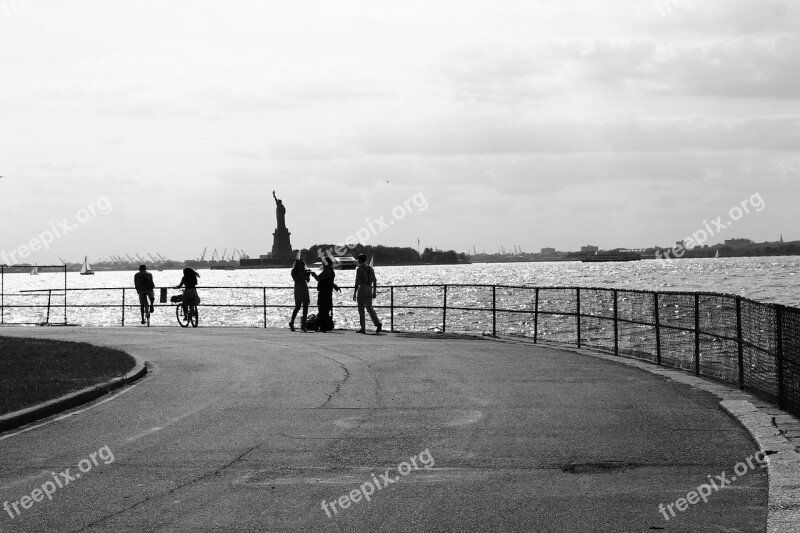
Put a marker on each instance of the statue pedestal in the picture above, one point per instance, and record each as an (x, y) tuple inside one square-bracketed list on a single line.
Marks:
[(281, 245)]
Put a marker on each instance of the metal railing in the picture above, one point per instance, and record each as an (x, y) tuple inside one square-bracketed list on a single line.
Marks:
[(34, 269), (753, 345)]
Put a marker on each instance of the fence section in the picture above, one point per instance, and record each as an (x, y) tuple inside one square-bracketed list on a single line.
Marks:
[(28, 306), (750, 344)]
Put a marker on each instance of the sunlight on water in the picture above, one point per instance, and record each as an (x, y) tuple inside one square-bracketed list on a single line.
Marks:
[(772, 280)]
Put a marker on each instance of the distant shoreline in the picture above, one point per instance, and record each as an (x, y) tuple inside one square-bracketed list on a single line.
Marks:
[(705, 253), (154, 267)]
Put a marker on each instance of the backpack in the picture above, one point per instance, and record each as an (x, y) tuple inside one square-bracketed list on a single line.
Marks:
[(312, 323)]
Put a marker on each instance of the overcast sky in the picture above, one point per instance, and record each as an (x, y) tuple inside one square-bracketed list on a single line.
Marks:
[(539, 123)]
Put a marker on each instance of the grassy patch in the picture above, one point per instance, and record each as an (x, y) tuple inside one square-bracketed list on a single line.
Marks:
[(33, 371)]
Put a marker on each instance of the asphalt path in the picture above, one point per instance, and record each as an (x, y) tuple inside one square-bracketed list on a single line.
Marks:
[(253, 429)]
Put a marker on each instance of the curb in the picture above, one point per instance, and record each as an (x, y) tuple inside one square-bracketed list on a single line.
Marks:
[(783, 502), (73, 399)]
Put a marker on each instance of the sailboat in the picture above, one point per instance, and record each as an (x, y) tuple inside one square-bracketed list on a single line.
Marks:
[(35, 270), (86, 268), (716, 256)]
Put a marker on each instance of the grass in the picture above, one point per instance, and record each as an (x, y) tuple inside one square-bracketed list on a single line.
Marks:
[(33, 371)]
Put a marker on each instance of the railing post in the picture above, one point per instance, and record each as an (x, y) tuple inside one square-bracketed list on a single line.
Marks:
[(696, 334), (2, 294), (391, 309), (657, 313), (49, 295), (779, 354), (536, 315), (739, 341), (123, 308), (265, 306), (65, 294), (444, 311), (578, 313), (616, 322), (494, 310)]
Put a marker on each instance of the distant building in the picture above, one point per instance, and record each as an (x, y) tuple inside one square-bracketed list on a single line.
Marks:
[(589, 249), (738, 242), (548, 251)]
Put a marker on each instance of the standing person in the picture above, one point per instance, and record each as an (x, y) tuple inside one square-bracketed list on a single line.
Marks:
[(325, 286), (189, 280), (366, 289), (301, 298), (143, 281)]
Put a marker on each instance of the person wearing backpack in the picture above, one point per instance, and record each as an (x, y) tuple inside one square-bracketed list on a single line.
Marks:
[(366, 289)]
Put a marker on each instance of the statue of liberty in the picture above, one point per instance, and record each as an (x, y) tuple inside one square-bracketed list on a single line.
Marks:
[(280, 212)]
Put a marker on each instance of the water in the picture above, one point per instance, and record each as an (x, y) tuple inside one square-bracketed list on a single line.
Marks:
[(765, 279)]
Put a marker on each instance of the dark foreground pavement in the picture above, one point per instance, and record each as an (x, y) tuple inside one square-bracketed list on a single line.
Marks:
[(250, 430)]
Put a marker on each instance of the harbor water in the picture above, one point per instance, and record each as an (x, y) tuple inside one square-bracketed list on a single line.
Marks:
[(764, 279)]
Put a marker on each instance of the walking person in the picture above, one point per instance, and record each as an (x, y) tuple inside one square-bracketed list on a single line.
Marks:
[(301, 297), (325, 288), (143, 282), (189, 281), (366, 290)]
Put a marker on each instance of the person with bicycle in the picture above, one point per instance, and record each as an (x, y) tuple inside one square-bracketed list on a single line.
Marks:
[(189, 281), (143, 282)]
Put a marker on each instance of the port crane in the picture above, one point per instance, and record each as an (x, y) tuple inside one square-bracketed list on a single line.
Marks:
[(203, 257)]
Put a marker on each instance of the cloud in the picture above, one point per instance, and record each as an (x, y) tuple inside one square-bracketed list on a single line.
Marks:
[(745, 67), (621, 133), (519, 72), (723, 17)]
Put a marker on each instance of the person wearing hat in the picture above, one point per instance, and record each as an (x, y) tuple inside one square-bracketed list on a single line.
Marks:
[(366, 289)]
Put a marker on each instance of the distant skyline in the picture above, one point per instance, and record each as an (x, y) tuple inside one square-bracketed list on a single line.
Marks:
[(530, 123)]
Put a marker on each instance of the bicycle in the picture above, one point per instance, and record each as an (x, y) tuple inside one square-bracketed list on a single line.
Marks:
[(190, 316), (144, 305)]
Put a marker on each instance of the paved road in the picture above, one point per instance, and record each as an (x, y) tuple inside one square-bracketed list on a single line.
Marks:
[(250, 430)]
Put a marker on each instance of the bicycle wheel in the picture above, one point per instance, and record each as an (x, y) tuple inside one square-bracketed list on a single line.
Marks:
[(193, 317), (183, 320)]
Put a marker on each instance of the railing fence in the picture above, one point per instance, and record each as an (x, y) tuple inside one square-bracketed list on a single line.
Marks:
[(753, 345)]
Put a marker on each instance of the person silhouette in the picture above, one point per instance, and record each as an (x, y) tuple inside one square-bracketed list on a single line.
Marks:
[(325, 288), (301, 297), (189, 280), (143, 282), (365, 290)]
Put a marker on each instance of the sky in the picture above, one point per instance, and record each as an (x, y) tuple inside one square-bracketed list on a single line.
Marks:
[(163, 127)]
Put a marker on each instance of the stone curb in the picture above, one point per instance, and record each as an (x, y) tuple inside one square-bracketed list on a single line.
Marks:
[(757, 417), (74, 399)]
